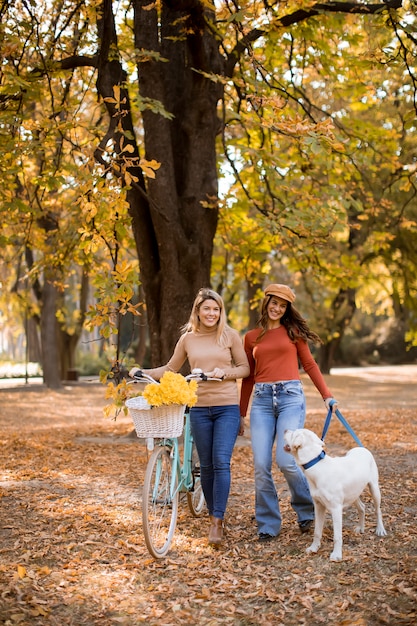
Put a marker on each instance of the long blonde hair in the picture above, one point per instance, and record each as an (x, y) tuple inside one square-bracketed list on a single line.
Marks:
[(193, 324)]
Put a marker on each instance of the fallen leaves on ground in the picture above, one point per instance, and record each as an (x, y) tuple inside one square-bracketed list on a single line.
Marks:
[(72, 551)]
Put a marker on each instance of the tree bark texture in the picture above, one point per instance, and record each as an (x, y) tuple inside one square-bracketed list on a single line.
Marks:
[(68, 341), (49, 336), (174, 216), (343, 309)]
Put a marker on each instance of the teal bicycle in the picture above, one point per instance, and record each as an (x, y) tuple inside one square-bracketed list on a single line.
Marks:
[(167, 474)]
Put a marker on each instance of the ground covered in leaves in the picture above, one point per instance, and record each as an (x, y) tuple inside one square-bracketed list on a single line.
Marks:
[(71, 544)]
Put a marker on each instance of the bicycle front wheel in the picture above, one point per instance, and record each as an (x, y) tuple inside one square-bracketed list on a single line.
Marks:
[(159, 504), (195, 497)]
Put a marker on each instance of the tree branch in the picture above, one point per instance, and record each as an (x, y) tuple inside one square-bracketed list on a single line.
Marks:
[(301, 15), (68, 63)]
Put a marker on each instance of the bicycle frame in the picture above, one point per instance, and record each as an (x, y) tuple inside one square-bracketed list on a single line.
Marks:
[(166, 476), (182, 479)]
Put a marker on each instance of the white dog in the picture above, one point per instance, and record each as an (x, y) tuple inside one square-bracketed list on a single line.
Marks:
[(335, 483)]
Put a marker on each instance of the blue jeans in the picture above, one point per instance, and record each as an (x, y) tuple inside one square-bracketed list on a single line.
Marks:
[(275, 408), (215, 430)]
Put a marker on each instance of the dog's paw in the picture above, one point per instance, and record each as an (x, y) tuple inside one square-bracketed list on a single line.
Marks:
[(313, 548), (359, 530), (380, 531), (335, 557)]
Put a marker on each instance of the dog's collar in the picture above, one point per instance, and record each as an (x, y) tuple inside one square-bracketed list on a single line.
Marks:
[(314, 461)]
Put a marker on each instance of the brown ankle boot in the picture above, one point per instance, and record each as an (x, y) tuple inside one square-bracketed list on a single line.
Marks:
[(216, 531)]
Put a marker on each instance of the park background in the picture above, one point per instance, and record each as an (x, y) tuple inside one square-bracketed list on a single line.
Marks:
[(147, 150)]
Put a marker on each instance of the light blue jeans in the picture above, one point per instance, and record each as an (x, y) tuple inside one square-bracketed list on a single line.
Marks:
[(277, 407), (215, 430)]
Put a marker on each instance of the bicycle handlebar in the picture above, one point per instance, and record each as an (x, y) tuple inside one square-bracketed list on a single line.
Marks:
[(196, 374), (140, 377)]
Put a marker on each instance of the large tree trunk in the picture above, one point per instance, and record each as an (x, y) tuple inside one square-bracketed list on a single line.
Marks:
[(68, 341), (343, 310), (183, 207), (141, 349), (175, 216), (253, 313), (47, 296), (33, 346), (49, 336)]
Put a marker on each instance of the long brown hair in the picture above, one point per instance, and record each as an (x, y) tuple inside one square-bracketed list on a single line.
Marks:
[(292, 320)]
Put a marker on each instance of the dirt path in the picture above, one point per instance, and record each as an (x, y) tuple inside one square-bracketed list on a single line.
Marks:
[(374, 387), (71, 546)]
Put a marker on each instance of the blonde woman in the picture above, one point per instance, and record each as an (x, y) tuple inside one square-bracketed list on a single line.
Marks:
[(211, 345)]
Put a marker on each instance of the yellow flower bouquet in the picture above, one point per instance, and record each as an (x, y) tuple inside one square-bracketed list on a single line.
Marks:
[(159, 410), (173, 388)]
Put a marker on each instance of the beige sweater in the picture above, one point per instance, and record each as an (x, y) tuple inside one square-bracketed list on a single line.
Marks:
[(202, 351)]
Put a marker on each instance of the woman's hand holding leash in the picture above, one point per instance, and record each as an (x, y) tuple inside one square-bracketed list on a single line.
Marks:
[(331, 404)]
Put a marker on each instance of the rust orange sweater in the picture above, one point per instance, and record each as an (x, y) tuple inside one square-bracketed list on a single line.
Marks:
[(276, 358)]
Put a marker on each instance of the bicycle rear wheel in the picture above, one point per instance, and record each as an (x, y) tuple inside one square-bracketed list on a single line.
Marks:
[(159, 507), (195, 498)]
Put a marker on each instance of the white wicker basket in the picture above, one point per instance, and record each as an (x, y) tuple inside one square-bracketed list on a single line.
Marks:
[(157, 421)]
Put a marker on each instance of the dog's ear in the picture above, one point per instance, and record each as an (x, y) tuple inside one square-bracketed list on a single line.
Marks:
[(298, 441)]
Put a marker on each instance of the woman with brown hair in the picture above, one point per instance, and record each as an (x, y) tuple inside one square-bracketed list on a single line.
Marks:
[(274, 351)]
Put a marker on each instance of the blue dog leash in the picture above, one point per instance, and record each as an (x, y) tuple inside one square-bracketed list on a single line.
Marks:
[(344, 422)]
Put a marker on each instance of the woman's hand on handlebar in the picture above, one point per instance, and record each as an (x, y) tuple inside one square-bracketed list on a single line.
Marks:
[(216, 373), (135, 372), (197, 373)]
